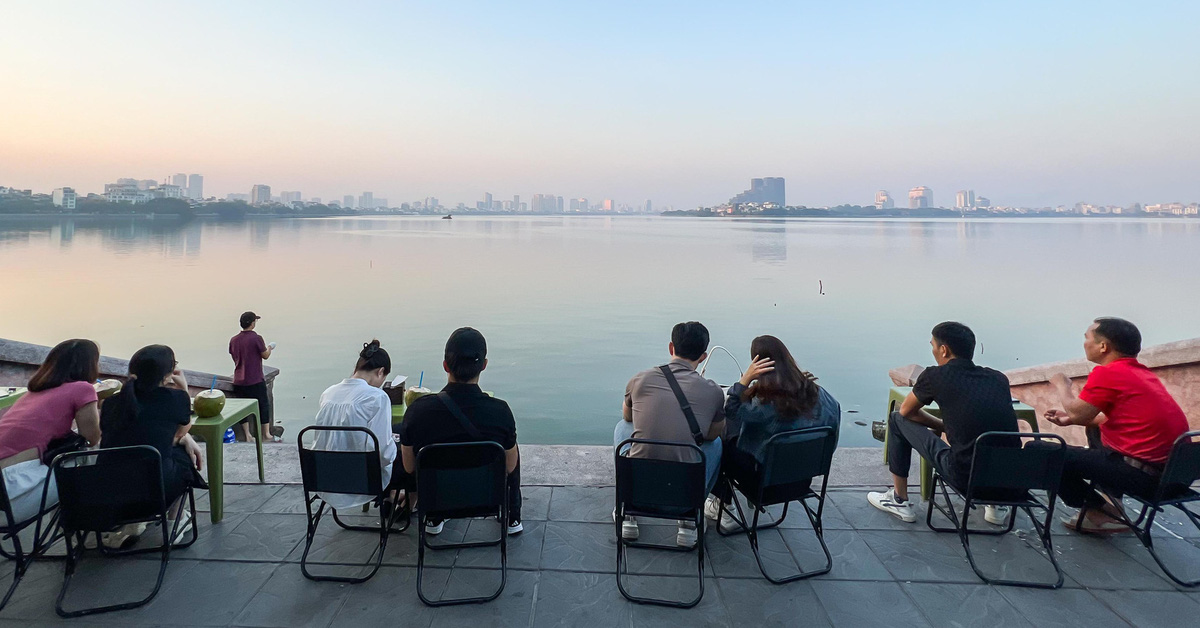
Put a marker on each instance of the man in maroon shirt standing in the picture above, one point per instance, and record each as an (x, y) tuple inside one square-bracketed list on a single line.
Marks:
[(1137, 418), (248, 351)]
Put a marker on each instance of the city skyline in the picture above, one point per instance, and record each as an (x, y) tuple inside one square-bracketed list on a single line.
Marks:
[(1040, 105)]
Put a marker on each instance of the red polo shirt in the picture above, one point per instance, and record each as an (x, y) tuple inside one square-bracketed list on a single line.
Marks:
[(1143, 419)]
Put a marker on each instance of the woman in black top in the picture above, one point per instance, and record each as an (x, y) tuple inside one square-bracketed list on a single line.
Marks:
[(153, 408)]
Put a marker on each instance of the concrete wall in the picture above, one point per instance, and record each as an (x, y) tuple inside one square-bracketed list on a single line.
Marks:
[(1177, 364)]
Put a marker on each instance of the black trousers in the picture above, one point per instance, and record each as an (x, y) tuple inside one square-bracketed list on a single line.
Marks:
[(905, 437), (1108, 469), (259, 392), (402, 479), (735, 463)]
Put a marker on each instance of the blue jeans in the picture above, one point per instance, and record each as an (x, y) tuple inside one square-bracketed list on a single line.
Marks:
[(711, 449)]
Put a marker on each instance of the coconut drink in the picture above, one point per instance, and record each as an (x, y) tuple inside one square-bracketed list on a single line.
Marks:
[(107, 388), (412, 394), (208, 403)]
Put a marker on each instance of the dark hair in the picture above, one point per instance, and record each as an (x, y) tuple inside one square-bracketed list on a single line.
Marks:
[(147, 370), (1121, 334), (373, 357), (690, 340), (75, 360), (792, 391), (466, 350), (958, 337)]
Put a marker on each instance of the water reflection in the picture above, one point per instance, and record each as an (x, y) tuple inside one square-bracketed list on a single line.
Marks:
[(769, 245)]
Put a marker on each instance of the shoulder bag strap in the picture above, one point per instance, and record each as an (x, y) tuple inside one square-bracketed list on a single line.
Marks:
[(683, 403), (472, 431)]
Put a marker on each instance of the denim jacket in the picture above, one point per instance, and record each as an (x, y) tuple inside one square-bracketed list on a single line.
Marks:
[(753, 423)]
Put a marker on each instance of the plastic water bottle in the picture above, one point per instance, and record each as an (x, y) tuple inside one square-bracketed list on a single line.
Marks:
[(230, 437)]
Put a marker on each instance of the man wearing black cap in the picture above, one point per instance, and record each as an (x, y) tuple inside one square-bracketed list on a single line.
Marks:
[(248, 351), (432, 419)]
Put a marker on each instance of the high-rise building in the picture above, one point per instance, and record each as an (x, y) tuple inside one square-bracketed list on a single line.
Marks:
[(763, 191), (883, 200), (366, 200), (348, 201), (289, 198), (145, 184), (195, 186), (516, 202), (381, 203), (983, 201), (260, 194), (649, 207), (609, 205), (558, 204), (487, 200), (125, 191), (63, 197), (964, 199), (179, 179), (920, 197)]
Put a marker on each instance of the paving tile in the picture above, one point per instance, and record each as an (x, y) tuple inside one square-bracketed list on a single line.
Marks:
[(579, 547), (535, 503), (390, 598), (242, 497), (867, 604), (289, 600), (1152, 609), (567, 599), (582, 504), (524, 549), (1178, 523), (289, 500), (97, 582), (208, 594), (927, 557), (861, 515), (259, 537), (514, 607), (760, 603), (1180, 555), (333, 544), (852, 557), (402, 548), (731, 556), (709, 612), (1062, 607), (1014, 556), (1098, 564), (965, 605)]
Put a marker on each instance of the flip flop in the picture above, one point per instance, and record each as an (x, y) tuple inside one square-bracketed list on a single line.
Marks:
[(1090, 527)]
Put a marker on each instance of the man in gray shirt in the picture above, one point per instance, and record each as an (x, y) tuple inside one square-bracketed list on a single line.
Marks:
[(652, 411)]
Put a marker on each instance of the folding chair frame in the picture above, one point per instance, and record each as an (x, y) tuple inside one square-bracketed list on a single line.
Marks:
[(961, 525), (41, 542), (623, 544), (751, 531)]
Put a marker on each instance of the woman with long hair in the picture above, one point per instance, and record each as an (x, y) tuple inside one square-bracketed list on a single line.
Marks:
[(60, 396), (153, 408), (774, 395)]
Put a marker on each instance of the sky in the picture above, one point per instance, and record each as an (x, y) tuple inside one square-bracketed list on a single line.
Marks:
[(1027, 103)]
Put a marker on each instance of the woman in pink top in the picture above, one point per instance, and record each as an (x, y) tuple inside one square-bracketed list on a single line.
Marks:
[(60, 396)]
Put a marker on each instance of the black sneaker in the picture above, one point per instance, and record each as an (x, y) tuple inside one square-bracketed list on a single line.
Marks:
[(515, 527)]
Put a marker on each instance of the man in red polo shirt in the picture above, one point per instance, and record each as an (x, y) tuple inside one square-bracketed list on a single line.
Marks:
[(1138, 420)]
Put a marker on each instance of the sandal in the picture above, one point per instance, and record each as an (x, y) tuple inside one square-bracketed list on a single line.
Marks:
[(1091, 527)]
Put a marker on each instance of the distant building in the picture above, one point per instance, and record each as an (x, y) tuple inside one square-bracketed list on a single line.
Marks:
[(64, 198), (144, 184), (543, 204), (233, 196), (366, 200), (964, 199), (609, 205), (348, 201), (260, 194), (195, 186), (763, 191), (289, 198), (516, 202), (579, 204), (883, 200), (920, 197), (649, 207), (179, 179), (381, 203), (983, 201), (558, 204), (125, 191), (487, 200), (168, 190)]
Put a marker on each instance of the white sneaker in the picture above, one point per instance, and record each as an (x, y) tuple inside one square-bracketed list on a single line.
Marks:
[(996, 515), (123, 537), (686, 536), (629, 528), (887, 503), (515, 527), (729, 525), (185, 526), (435, 528)]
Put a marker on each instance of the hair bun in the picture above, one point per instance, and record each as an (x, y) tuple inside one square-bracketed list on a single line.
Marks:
[(369, 349)]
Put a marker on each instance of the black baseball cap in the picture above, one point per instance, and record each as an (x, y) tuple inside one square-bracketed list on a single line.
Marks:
[(248, 318), (466, 344)]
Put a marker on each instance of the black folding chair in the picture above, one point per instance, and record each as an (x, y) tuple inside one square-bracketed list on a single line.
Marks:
[(347, 472), (10, 531), (1174, 489), (791, 461), (99, 491), (1004, 475), (659, 489), (458, 481)]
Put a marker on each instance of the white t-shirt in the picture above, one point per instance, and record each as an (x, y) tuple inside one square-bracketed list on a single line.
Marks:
[(355, 403)]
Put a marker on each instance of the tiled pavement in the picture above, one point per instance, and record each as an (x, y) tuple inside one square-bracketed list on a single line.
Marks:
[(245, 572)]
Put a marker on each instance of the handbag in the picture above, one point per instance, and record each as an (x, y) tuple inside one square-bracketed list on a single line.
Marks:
[(70, 443)]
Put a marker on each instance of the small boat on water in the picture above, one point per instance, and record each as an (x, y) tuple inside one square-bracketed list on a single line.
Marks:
[(447, 217)]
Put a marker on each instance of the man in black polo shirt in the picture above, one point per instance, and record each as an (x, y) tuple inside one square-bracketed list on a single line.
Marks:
[(429, 421), (972, 399)]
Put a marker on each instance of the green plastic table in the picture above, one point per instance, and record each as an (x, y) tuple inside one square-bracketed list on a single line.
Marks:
[(11, 397), (896, 396), (212, 430)]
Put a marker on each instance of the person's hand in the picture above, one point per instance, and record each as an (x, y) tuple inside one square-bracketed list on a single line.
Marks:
[(271, 346), (193, 450), (757, 368), (1057, 417), (1059, 380)]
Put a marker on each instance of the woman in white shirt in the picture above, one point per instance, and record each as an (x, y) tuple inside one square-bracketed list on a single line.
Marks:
[(359, 401)]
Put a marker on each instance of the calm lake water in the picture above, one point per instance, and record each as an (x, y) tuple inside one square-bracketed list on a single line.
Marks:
[(573, 306)]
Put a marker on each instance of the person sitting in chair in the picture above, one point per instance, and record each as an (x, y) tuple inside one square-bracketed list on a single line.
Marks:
[(653, 410), (972, 399), (1137, 418)]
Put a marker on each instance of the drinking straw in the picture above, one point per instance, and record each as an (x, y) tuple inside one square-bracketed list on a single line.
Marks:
[(214, 384), (421, 380)]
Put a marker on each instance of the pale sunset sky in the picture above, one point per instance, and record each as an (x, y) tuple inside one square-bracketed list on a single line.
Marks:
[(1027, 103)]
